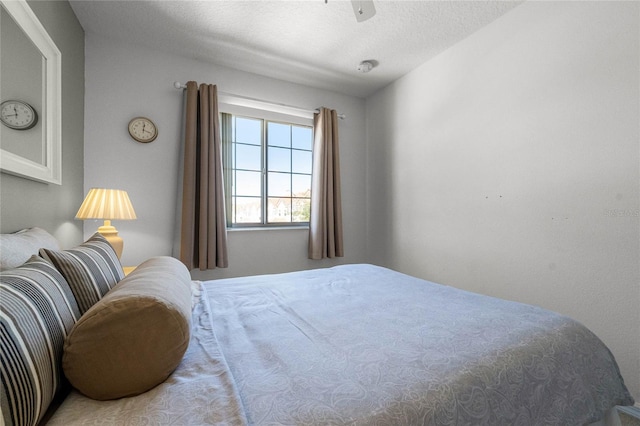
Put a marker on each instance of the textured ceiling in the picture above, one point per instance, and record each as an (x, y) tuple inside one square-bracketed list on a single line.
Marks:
[(308, 42)]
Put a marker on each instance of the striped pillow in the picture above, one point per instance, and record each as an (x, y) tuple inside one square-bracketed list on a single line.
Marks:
[(37, 313), (91, 269)]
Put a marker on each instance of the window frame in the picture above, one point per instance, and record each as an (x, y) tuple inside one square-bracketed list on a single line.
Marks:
[(265, 117)]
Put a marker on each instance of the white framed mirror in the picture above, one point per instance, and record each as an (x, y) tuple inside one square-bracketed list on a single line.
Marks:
[(30, 96)]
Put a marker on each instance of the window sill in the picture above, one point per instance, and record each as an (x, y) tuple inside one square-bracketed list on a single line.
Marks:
[(268, 228)]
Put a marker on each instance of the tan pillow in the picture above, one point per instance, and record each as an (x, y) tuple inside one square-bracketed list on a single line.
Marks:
[(135, 336)]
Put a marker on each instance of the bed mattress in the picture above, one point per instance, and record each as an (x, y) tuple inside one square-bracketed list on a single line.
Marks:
[(361, 344)]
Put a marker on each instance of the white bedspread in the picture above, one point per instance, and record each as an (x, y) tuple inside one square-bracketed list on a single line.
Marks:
[(361, 344)]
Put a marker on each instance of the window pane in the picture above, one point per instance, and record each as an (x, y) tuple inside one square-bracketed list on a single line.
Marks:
[(279, 135), (248, 131), (301, 185), (279, 210), (301, 161), (279, 160), (302, 137), (248, 157), (279, 185), (247, 210), (284, 190), (248, 184), (301, 208)]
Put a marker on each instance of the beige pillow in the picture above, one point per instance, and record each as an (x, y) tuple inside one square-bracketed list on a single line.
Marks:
[(135, 336)]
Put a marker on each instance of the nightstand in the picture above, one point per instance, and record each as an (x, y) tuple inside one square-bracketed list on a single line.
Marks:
[(127, 269)]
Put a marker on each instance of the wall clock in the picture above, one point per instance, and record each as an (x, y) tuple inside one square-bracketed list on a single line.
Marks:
[(18, 115), (143, 129)]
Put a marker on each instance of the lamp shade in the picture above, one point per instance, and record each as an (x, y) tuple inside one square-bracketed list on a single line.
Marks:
[(106, 204)]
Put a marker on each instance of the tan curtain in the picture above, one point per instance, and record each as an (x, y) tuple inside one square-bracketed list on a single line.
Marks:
[(325, 224), (203, 236)]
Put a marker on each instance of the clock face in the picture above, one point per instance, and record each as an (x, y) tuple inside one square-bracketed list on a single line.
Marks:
[(18, 115), (143, 130)]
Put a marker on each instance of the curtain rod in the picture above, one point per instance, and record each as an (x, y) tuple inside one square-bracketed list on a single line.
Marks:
[(179, 85)]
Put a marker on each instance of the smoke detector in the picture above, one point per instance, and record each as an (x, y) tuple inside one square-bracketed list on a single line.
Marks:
[(365, 66)]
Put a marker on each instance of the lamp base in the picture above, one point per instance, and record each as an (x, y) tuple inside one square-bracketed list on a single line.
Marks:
[(111, 234)]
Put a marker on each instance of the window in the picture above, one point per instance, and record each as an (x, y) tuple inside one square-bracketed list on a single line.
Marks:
[(268, 171)]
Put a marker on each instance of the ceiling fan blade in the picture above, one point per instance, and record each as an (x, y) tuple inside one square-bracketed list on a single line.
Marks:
[(363, 9)]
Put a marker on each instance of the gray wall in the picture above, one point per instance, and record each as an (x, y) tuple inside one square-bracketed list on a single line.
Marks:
[(126, 80), (23, 202), (508, 166)]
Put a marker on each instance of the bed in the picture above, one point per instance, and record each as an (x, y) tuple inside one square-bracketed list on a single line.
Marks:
[(362, 345)]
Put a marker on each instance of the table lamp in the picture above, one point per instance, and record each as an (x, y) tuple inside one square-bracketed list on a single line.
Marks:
[(107, 204)]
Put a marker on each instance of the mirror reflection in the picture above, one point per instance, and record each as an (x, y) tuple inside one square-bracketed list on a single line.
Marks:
[(22, 92)]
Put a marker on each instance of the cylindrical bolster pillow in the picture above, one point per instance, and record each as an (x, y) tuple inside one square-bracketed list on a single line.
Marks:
[(135, 336)]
